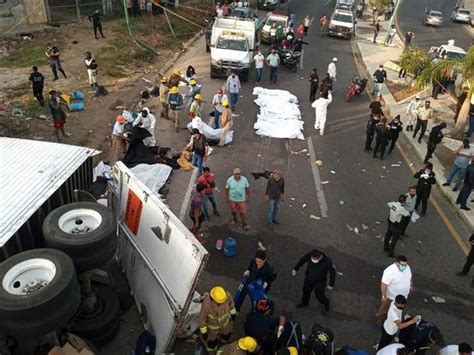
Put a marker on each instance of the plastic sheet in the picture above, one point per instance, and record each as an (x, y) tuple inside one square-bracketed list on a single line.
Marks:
[(210, 133), (279, 116), (154, 176)]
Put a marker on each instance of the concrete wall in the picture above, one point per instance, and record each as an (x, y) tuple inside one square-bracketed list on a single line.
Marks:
[(20, 13)]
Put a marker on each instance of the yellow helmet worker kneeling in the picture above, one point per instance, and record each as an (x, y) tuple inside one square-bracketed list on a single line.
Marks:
[(217, 317), (245, 345)]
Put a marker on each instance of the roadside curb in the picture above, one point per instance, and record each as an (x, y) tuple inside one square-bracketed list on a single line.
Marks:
[(438, 168)]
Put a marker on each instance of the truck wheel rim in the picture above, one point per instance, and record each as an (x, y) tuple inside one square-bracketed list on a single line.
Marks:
[(29, 276), (80, 221)]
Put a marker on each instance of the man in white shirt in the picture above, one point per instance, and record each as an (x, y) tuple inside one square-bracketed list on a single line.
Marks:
[(332, 71), (461, 349), (396, 280), (393, 349), (394, 321), (233, 88), (217, 100), (259, 61), (321, 108)]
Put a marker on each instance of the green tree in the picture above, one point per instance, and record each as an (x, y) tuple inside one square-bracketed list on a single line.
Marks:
[(413, 60), (381, 6), (462, 70)]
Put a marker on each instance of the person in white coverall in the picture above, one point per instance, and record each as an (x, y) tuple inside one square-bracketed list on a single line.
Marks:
[(147, 121), (332, 70), (321, 109)]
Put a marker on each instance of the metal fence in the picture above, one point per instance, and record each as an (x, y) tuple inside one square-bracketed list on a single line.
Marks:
[(62, 11)]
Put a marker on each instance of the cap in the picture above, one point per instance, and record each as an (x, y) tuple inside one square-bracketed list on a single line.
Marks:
[(334, 59), (120, 119), (220, 91), (174, 90), (236, 171), (218, 294), (198, 97), (164, 79), (193, 82), (248, 344), (176, 72)]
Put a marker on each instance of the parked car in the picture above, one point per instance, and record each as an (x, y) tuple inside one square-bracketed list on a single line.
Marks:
[(447, 51), (269, 5), (343, 6), (277, 19), (433, 18), (461, 15), (241, 12), (341, 24)]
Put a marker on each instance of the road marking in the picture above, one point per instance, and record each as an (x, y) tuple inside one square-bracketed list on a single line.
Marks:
[(301, 59), (323, 206), (327, 2), (462, 243), (187, 196), (311, 21)]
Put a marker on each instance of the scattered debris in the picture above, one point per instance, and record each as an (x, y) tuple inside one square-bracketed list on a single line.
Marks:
[(420, 242), (382, 176), (364, 170), (17, 112), (356, 230), (377, 222), (28, 118), (438, 299), (395, 165), (43, 117), (425, 300), (38, 137), (349, 227), (91, 131), (411, 164), (319, 162), (314, 217), (324, 182), (365, 227), (384, 167), (290, 205), (339, 273), (259, 155), (300, 152), (341, 202), (333, 172), (292, 198), (378, 236), (304, 205)]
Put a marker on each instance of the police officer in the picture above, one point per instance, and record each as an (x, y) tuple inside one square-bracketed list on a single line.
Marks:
[(320, 340), (469, 259), (370, 132), (426, 178), (397, 211), (317, 270), (410, 207), (95, 18), (91, 66), (314, 82), (37, 83), (436, 136), (52, 52), (395, 126)]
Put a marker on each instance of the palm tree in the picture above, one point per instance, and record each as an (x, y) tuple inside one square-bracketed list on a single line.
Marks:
[(462, 69), (413, 60)]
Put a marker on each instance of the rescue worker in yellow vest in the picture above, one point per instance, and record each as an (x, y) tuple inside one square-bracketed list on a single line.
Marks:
[(243, 346), (291, 350), (217, 316)]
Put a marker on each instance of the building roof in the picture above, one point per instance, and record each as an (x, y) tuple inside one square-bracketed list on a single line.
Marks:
[(30, 172)]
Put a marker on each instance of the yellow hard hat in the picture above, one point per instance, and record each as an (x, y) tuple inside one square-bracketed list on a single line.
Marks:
[(164, 79), (218, 294), (248, 344), (225, 102), (198, 97), (293, 350), (176, 72), (193, 82), (174, 90)]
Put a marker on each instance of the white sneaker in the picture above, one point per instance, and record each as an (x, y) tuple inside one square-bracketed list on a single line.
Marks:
[(261, 246), (321, 133)]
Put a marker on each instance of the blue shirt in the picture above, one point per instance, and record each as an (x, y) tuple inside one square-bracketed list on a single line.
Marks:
[(237, 188), (463, 161)]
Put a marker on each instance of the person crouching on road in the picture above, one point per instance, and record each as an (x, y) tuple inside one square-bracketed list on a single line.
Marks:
[(217, 317), (321, 109), (147, 121)]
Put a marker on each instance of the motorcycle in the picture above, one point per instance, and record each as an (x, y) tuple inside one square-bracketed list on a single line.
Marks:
[(357, 86), (289, 59)]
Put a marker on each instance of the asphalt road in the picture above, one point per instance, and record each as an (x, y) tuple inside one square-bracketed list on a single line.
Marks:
[(364, 185), (410, 17)]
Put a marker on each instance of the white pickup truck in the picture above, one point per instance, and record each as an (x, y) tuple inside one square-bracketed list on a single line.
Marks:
[(232, 46), (50, 244)]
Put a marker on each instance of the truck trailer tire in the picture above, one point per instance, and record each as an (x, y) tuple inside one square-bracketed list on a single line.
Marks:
[(81, 230), (98, 259), (39, 293), (103, 323)]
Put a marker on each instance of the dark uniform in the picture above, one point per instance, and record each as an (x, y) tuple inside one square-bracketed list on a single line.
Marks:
[(95, 18), (37, 82), (54, 62), (371, 124), (394, 228), (314, 81), (320, 340), (416, 337), (395, 126), (262, 328), (469, 259), (292, 335), (382, 136), (316, 275), (326, 84), (375, 107), (467, 187), (423, 188), (436, 136)]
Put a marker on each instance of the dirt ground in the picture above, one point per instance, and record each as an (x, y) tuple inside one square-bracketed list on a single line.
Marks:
[(121, 66)]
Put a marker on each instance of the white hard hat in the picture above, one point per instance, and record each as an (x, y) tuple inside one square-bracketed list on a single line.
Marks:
[(334, 59)]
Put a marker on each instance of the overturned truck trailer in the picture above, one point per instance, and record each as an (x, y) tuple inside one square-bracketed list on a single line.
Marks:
[(161, 259)]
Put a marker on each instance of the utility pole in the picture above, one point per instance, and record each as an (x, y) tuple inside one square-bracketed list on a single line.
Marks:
[(392, 19)]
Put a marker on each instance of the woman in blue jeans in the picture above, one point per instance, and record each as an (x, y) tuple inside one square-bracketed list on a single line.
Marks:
[(274, 194), (199, 147)]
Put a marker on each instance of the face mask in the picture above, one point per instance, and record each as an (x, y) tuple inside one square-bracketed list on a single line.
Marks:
[(400, 308), (402, 267), (314, 261), (413, 195)]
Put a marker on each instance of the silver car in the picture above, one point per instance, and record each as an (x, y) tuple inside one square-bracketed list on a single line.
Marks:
[(461, 15), (433, 18)]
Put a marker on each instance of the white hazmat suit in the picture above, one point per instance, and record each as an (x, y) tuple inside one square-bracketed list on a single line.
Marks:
[(147, 121), (321, 108)]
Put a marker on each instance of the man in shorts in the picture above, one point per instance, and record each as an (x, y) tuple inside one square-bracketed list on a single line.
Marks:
[(57, 113), (195, 211), (237, 195)]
